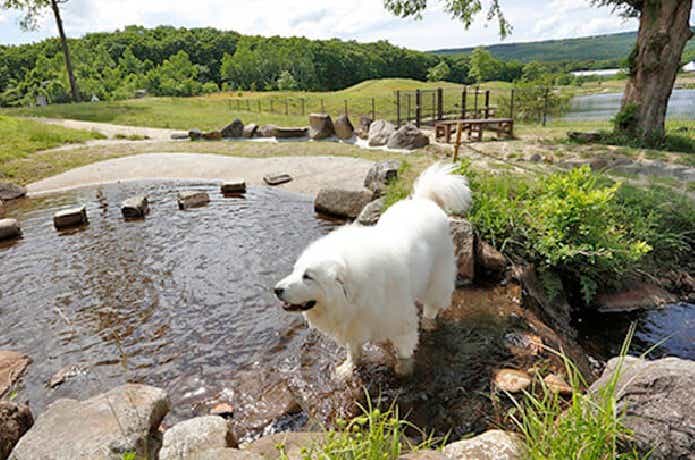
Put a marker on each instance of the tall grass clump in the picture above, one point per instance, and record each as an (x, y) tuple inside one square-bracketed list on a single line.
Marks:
[(587, 427)]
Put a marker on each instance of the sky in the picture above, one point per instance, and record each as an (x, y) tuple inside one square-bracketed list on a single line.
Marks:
[(361, 20)]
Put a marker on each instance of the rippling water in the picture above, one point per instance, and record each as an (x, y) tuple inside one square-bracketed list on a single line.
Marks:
[(178, 300), (604, 106)]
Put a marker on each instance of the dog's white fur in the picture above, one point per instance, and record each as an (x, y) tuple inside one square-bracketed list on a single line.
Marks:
[(365, 280)]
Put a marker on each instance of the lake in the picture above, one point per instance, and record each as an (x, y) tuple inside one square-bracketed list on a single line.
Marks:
[(604, 106)]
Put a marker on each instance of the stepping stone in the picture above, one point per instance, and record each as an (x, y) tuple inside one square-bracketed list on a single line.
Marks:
[(277, 179), (72, 217), (135, 207), (192, 199), (233, 186), (9, 228)]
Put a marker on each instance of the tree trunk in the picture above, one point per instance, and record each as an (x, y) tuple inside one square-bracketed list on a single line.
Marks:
[(66, 51), (664, 30)]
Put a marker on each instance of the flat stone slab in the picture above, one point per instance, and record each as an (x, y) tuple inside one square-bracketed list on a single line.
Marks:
[(179, 136), (277, 179), (192, 199), (342, 203), (135, 207), (233, 186), (9, 228), (289, 132), (72, 217), (12, 367)]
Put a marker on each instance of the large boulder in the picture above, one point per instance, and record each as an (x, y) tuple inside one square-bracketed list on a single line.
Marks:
[(12, 367), (363, 130), (408, 137), (371, 213), (234, 129), (187, 439), (658, 401), (380, 175), (9, 191), (464, 244), (380, 131), (15, 421), (342, 203), (320, 126), (343, 128), (491, 445), (125, 419), (250, 130)]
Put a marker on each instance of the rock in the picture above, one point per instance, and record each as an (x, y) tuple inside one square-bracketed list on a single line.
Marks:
[(365, 123), (320, 126), (557, 384), (594, 163), (380, 131), (512, 380), (536, 157), (72, 217), (195, 134), (408, 137), (658, 401), (291, 443), (290, 133), (192, 199), (225, 453), (15, 421), (2, 208), (584, 138), (277, 179), (234, 129), (187, 439), (135, 207), (381, 174), (179, 136), (9, 191), (125, 419), (233, 186), (523, 343), (64, 374), (464, 244), (12, 367), (343, 128), (9, 228), (223, 409), (424, 455), (636, 296), (250, 130), (371, 213), (212, 136), (267, 131), (490, 260), (342, 203), (491, 445)]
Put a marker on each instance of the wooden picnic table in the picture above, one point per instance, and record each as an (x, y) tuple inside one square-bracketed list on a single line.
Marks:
[(474, 128)]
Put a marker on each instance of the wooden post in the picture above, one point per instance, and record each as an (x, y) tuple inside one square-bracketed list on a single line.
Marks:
[(418, 108), (373, 110), (398, 109), (475, 103), (457, 144), (487, 103), (440, 103), (463, 103)]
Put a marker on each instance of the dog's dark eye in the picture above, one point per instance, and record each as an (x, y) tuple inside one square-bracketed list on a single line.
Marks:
[(307, 276)]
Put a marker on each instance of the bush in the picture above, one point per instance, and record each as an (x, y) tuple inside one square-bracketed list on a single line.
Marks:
[(532, 100)]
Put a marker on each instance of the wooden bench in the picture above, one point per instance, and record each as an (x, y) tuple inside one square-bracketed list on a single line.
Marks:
[(474, 128)]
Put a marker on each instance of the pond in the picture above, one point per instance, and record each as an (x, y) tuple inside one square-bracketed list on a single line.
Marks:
[(605, 106)]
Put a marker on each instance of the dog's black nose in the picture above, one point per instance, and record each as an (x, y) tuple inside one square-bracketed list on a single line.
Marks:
[(279, 292)]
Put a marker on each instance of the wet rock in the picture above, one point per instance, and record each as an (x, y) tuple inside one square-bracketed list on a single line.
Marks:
[(212, 136), (320, 126), (234, 129), (179, 136), (424, 455), (277, 179), (557, 384), (12, 367), (9, 228), (512, 380), (72, 217), (290, 133), (585, 138), (195, 134), (380, 131), (64, 374), (408, 137), (636, 296), (250, 130), (342, 203), (125, 419), (267, 130), (15, 421), (9, 191), (371, 213), (343, 128), (464, 244), (658, 401), (365, 123), (491, 445), (187, 439), (381, 174), (135, 207), (292, 444), (233, 186), (524, 343), (192, 199), (491, 262)]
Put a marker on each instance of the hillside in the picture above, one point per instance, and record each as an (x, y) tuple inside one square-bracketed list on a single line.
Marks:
[(594, 48)]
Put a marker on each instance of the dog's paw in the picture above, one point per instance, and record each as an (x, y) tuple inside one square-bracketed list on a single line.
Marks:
[(429, 324), (404, 367), (345, 370)]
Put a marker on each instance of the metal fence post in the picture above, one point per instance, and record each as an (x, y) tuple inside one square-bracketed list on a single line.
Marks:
[(463, 103), (440, 103), (487, 103), (418, 108), (373, 109), (398, 109)]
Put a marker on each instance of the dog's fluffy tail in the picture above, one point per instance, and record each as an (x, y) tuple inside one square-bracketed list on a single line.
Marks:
[(449, 191)]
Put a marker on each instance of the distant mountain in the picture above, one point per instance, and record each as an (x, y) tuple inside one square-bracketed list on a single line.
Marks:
[(596, 47)]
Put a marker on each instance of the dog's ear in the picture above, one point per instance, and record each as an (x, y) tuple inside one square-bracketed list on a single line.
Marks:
[(338, 271)]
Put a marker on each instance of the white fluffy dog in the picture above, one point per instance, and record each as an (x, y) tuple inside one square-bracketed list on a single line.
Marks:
[(359, 284)]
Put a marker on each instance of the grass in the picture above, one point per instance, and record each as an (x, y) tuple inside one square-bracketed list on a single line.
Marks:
[(21, 137)]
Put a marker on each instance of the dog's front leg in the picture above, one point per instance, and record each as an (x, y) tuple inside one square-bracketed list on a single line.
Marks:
[(354, 355)]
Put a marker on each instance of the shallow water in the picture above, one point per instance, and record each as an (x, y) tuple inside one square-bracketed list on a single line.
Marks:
[(605, 106)]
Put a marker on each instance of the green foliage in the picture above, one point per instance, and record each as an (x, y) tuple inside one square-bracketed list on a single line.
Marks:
[(399, 189), (533, 99), (483, 66), (440, 72), (286, 81), (129, 456), (626, 119)]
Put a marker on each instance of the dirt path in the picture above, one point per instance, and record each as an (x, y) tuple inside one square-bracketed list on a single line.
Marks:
[(107, 129), (310, 173)]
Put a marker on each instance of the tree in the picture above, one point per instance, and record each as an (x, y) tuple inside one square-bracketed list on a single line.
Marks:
[(440, 72), (664, 30), (32, 11), (286, 81), (484, 67)]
